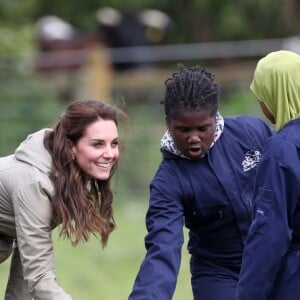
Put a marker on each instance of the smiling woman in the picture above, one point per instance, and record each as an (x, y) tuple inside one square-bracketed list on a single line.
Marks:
[(98, 150), (57, 176)]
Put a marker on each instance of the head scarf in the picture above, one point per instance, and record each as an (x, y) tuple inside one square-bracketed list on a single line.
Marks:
[(276, 82)]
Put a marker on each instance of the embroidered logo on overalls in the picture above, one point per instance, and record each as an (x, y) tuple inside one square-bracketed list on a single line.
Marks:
[(251, 159)]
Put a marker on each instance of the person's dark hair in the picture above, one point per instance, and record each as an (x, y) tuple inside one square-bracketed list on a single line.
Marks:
[(190, 89), (82, 207)]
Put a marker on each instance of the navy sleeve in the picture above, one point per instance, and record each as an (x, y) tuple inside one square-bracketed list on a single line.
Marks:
[(158, 272), (258, 129), (276, 197)]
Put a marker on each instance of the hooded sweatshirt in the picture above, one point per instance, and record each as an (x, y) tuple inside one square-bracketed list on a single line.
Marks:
[(26, 192)]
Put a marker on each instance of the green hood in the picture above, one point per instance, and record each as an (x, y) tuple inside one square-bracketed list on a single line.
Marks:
[(276, 82)]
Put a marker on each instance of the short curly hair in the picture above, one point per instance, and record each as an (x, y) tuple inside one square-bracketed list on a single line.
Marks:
[(190, 89)]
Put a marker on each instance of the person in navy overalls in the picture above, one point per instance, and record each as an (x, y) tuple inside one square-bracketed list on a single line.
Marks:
[(271, 263), (205, 182)]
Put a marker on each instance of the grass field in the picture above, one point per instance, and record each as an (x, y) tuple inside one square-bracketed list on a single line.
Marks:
[(87, 272)]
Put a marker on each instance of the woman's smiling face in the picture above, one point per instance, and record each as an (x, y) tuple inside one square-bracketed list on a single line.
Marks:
[(97, 151), (193, 132)]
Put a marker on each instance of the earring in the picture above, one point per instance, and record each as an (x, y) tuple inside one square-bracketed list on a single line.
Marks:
[(72, 156)]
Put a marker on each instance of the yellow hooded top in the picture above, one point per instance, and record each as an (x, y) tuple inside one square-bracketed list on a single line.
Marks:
[(276, 82)]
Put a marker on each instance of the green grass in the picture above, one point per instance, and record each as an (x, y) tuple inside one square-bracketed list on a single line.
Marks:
[(88, 272)]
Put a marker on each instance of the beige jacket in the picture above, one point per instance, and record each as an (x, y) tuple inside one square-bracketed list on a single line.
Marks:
[(25, 215)]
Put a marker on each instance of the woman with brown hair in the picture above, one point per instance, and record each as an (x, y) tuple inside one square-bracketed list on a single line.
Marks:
[(59, 176)]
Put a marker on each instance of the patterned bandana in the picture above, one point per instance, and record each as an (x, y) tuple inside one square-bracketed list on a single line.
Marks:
[(167, 142)]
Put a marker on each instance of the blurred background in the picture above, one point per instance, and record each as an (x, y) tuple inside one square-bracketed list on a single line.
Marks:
[(53, 52)]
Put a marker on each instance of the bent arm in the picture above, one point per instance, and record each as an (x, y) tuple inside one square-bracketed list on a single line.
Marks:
[(17, 286), (33, 214)]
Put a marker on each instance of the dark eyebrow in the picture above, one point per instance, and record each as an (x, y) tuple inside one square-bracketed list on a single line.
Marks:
[(101, 140), (200, 126)]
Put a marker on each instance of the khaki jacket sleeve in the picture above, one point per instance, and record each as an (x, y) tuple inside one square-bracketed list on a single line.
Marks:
[(17, 286), (33, 214)]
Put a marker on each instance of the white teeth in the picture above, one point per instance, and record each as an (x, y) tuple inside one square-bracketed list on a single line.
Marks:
[(103, 165)]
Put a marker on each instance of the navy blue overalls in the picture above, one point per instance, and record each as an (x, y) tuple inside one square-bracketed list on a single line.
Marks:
[(212, 198), (271, 266)]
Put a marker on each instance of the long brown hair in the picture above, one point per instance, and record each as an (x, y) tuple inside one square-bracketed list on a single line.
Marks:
[(82, 207)]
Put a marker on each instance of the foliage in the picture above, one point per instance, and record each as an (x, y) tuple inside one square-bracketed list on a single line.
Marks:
[(27, 103), (194, 20), (16, 42), (211, 20), (17, 12)]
